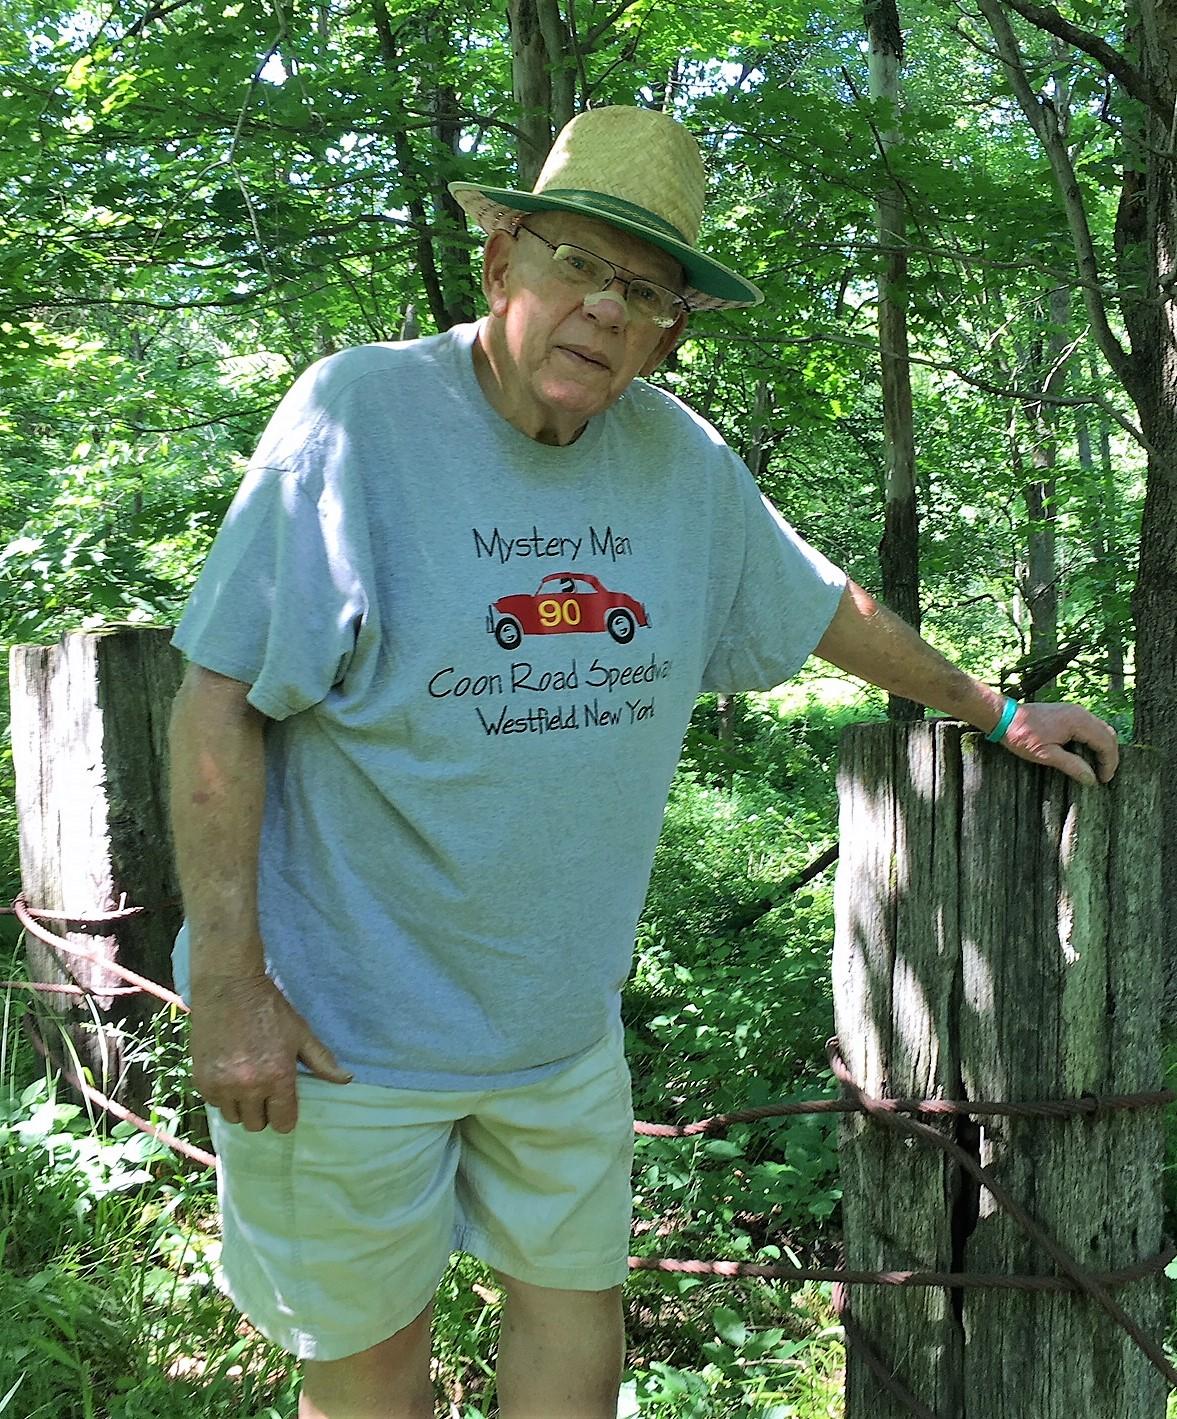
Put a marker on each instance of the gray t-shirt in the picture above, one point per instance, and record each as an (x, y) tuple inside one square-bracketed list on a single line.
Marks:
[(479, 654)]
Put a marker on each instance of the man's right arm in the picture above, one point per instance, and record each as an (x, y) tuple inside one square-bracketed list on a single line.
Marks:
[(246, 1037)]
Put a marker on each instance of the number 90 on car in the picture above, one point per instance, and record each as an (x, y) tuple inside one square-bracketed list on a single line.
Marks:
[(566, 602)]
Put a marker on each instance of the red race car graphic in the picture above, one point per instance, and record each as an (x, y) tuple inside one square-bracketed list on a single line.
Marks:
[(564, 602)]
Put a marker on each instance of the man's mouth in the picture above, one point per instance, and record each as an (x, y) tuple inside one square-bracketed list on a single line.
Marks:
[(585, 357)]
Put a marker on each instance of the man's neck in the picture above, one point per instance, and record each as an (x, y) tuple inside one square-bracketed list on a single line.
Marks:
[(489, 363)]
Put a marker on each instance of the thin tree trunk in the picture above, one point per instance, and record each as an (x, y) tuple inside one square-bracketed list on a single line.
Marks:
[(1110, 502), (1042, 579), (459, 284), (755, 450), (414, 184), (899, 549), (1103, 535), (561, 62)]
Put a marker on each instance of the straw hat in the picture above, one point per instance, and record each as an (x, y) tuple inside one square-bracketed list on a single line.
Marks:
[(636, 169)]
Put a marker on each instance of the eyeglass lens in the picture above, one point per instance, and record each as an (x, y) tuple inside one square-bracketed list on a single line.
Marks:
[(584, 268)]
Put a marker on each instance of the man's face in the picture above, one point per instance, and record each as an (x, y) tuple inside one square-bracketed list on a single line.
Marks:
[(559, 359)]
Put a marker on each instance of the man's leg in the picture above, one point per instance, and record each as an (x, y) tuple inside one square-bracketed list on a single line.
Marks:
[(388, 1381), (560, 1352)]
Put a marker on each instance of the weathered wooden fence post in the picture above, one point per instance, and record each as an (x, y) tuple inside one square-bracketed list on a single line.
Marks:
[(89, 742), (998, 939)]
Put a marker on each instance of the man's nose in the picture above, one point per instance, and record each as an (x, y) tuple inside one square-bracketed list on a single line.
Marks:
[(607, 307)]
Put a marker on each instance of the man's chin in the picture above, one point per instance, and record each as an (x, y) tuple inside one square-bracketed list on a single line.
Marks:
[(574, 399)]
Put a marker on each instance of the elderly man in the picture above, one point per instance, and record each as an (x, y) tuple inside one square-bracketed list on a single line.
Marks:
[(443, 654)]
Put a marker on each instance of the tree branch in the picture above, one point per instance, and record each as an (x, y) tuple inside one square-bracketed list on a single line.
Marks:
[(1046, 17), (751, 912), (1041, 116), (1037, 673), (973, 381), (610, 19), (200, 423), (155, 12)]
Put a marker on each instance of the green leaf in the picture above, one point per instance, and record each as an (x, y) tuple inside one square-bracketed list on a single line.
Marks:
[(729, 1326)]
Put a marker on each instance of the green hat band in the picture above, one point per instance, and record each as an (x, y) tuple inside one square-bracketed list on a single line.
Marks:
[(616, 207)]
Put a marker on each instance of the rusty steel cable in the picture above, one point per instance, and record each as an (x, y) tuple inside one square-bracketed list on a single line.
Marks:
[(27, 919), (91, 919), (964, 1280), (45, 988), (890, 1113), (1085, 1106), (857, 1338)]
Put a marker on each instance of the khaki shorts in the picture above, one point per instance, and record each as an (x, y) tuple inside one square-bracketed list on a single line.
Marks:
[(336, 1234)]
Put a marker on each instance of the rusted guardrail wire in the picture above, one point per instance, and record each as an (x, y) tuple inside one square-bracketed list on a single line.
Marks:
[(888, 1113), (29, 918)]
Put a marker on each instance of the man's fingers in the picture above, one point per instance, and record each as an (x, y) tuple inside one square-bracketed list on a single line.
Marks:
[(282, 1110), (1099, 736), (1107, 749), (1070, 764), (321, 1062), (253, 1114)]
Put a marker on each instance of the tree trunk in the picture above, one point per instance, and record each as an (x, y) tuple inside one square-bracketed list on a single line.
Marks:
[(561, 63), (1103, 536), (415, 185), (997, 939), (1115, 638), (1146, 248), (756, 446), (458, 281), (1042, 576), (899, 549), (89, 725), (531, 88)]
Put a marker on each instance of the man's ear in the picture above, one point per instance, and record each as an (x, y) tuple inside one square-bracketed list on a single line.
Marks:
[(669, 339), (496, 262)]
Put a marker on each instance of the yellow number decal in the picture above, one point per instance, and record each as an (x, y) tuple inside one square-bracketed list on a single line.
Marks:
[(552, 612)]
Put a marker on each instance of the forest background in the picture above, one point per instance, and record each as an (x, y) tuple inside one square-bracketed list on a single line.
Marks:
[(960, 386)]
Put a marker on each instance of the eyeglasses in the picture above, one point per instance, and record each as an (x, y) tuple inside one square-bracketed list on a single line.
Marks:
[(590, 272)]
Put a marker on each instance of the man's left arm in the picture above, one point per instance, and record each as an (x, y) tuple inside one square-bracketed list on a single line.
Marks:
[(871, 642)]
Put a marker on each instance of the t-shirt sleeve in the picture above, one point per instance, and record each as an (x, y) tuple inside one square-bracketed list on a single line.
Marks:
[(278, 604), (785, 598)]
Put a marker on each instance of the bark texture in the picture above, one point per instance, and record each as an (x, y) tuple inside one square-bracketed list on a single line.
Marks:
[(997, 937)]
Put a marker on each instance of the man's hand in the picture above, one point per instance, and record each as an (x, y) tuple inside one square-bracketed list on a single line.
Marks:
[(1038, 733), (246, 1041)]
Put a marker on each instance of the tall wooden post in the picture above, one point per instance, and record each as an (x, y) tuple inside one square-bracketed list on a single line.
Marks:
[(89, 742), (998, 938)]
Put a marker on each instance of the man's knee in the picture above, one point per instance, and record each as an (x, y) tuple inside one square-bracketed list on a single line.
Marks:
[(557, 1309), (390, 1378)]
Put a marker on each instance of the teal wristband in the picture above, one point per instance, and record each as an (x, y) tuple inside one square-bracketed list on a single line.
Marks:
[(997, 733)]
